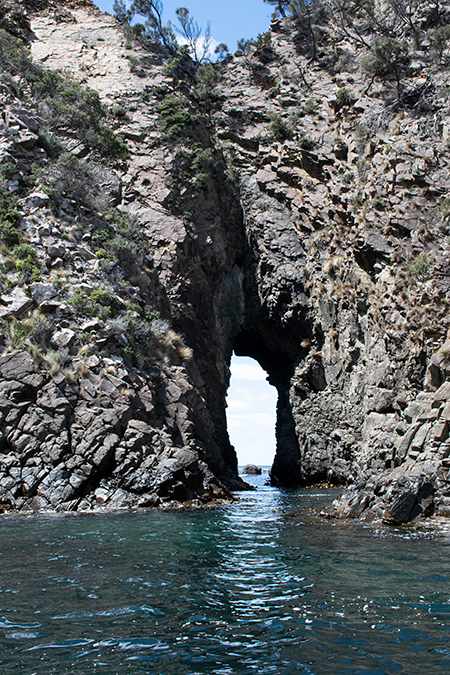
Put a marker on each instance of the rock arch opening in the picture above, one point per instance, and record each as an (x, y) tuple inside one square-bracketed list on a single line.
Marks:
[(251, 412), (279, 370)]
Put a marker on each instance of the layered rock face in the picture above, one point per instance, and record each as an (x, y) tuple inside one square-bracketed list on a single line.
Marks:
[(278, 205)]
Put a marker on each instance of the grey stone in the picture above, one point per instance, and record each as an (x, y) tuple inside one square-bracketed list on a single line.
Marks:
[(15, 303), (56, 251), (37, 199), (16, 365), (63, 338), (41, 292)]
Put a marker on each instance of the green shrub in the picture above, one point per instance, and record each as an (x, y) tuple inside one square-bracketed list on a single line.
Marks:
[(379, 203), (387, 57), (419, 264), (306, 143), (175, 118), (201, 158), (7, 171), (65, 103), (280, 129), (160, 91), (444, 207), (363, 167), (357, 200), (102, 234), (207, 76), (23, 251), (308, 108), (28, 270), (344, 98), (125, 251), (362, 132), (100, 302), (128, 243), (118, 111), (34, 331), (201, 179), (14, 58), (9, 218), (109, 143), (80, 303), (78, 180), (439, 41)]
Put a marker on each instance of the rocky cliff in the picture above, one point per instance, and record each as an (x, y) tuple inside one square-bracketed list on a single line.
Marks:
[(289, 204)]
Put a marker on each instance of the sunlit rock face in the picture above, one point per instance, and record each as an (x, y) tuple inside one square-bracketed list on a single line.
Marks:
[(274, 205)]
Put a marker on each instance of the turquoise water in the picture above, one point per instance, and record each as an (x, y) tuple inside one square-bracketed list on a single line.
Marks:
[(261, 586)]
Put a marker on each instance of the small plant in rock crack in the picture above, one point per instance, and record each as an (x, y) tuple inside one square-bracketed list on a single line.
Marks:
[(357, 200), (379, 203), (35, 330)]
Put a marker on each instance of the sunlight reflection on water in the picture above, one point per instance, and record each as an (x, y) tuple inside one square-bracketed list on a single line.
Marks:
[(260, 586)]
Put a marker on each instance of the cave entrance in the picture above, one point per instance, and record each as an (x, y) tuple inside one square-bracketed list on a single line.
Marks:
[(251, 413)]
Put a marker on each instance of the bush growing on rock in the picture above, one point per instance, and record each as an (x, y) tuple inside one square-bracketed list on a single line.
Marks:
[(72, 105), (387, 57), (306, 143), (379, 203), (79, 180), (128, 244), (419, 264), (9, 218), (35, 330), (280, 129), (175, 118), (100, 302), (439, 42), (344, 98), (207, 77), (444, 208)]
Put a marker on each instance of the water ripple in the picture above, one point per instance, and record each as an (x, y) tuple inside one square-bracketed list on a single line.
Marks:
[(256, 588)]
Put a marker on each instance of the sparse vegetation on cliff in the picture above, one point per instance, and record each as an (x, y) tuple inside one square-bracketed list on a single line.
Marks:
[(292, 199)]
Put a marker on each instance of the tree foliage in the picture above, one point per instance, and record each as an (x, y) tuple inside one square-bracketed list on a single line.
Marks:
[(308, 17), (156, 31), (439, 42), (280, 6), (190, 32), (387, 57)]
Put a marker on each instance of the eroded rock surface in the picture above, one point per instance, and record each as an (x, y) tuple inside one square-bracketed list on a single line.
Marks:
[(286, 221)]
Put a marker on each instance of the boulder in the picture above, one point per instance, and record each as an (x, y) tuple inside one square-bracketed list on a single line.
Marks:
[(15, 303), (63, 338), (251, 470)]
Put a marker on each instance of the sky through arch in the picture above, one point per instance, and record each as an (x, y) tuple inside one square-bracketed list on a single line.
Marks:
[(251, 412)]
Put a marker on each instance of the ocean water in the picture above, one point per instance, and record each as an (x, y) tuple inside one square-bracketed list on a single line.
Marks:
[(257, 587)]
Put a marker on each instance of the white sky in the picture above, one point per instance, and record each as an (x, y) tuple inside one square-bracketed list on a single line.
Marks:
[(230, 20), (251, 412)]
